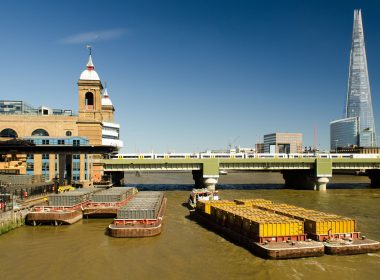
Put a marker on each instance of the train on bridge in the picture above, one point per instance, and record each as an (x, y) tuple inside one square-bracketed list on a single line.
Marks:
[(238, 155)]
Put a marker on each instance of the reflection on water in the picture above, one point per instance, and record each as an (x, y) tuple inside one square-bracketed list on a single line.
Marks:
[(185, 249)]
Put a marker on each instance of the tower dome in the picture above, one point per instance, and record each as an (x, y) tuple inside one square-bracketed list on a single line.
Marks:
[(89, 73), (106, 101)]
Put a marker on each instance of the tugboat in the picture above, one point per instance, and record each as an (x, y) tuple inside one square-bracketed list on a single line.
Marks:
[(201, 194)]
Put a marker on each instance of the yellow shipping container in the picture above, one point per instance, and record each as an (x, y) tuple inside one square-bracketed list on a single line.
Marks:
[(324, 227)]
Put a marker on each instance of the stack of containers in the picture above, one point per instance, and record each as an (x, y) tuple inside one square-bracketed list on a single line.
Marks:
[(256, 223), (144, 205), (260, 225), (205, 205), (116, 194), (250, 202), (316, 223), (71, 198)]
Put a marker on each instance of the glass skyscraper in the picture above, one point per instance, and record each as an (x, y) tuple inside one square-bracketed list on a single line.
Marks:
[(344, 133), (358, 102)]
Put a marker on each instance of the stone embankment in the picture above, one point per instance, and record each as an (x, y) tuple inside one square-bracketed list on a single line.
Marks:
[(12, 219), (15, 218)]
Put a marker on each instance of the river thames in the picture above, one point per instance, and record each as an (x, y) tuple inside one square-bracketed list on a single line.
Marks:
[(185, 249)]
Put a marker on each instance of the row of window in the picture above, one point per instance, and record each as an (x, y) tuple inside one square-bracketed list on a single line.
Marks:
[(11, 133)]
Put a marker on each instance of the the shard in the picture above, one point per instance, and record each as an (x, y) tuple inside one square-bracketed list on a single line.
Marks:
[(359, 102)]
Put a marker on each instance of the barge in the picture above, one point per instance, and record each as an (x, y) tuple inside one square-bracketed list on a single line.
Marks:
[(63, 208), (338, 234), (105, 203), (53, 215), (266, 234), (142, 216)]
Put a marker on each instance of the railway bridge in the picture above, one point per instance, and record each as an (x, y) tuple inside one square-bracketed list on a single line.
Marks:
[(312, 172)]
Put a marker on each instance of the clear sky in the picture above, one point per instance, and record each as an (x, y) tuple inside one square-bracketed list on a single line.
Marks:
[(192, 75)]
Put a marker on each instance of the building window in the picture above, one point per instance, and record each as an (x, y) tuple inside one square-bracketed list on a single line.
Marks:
[(89, 100), (76, 142), (76, 156), (30, 166), (45, 166), (8, 133), (45, 142), (76, 166), (29, 156), (61, 142), (40, 132), (68, 133), (45, 156)]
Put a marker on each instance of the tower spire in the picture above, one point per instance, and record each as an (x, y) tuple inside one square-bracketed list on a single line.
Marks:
[(358, 103), (90, 64), (105, 92)]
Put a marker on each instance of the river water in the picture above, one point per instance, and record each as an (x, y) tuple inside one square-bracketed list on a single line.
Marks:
[(186, 250)]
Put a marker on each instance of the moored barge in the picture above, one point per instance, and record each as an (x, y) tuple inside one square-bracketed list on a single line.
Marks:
[(339, 234), (266, 234), (142, 216), (63, 208), (105, 203), (282, 231)]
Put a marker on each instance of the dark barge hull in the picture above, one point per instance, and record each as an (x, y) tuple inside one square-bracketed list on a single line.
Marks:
[(67, 217), (94, 212), (139, 230), (272, 250), (357, 246), (100, 210)]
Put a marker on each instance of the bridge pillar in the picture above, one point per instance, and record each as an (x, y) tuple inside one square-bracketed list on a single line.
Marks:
[(304, 179), (210, 183), (200, 181), (374, 176), (322, 183)]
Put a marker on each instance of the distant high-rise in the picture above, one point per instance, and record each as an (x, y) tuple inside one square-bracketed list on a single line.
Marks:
[(358, 102)]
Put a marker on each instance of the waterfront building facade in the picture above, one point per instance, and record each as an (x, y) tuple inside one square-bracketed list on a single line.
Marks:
[(358, 101), (94, 125), (344, 133), (77, 165), (283, 143)]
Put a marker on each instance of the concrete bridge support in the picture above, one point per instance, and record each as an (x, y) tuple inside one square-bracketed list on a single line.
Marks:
[(210, 183), (321, 183), (374, 176), (201, 182), (304, 179)]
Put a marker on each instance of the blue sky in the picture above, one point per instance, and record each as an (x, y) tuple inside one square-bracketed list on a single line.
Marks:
[(192, 75)]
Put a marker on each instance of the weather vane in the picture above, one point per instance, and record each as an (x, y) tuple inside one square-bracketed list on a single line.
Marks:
[(89, 47)]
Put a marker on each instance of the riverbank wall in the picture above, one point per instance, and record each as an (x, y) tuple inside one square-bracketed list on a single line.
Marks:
[(11, 220)]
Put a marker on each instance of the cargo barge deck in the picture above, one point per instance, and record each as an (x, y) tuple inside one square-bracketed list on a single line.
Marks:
[(64, 208), (282, 231), (103, 209), (126, 228), (351, 247), (53, 215), (268, 250), (338, 234), (105, 203)]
